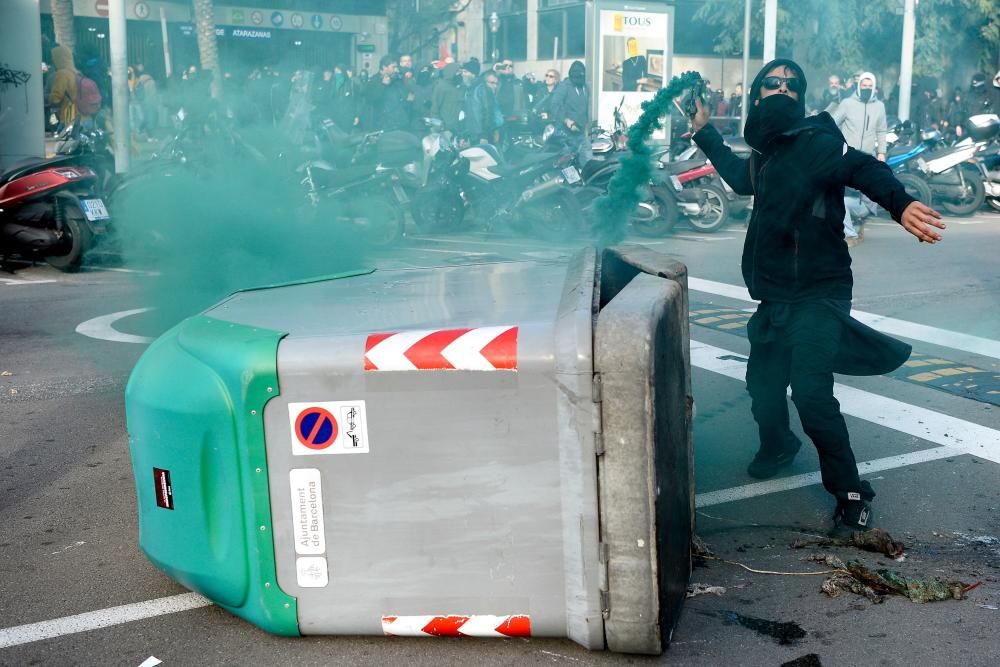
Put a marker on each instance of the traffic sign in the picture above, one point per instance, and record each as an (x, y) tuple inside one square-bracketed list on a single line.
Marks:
[(316, 428)]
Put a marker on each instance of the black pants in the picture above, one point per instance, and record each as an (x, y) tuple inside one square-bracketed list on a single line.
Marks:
[(799, 350)]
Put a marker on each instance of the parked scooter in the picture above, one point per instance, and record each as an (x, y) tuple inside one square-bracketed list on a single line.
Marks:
[(709, 211), (956, 186), (92, 148), (50, 209)]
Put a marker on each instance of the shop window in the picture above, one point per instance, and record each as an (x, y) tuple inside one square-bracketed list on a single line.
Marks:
[(511, 37), (566, 21)]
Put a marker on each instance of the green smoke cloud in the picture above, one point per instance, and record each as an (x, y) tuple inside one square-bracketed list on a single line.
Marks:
[(614, 209)]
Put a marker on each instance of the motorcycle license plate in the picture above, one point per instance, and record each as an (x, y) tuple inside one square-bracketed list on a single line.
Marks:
[(571, 175), (94, 209)]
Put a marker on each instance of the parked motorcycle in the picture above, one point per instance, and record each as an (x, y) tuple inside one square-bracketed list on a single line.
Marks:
[(51, 209), (952, 183), (366, 192), (436, 191), (984, 128), (533, 192)]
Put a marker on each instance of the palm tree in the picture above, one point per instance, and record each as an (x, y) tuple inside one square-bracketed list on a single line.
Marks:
[(62, 19), (204, 18)]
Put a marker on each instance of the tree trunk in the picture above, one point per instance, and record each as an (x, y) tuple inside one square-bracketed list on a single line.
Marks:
[(62, 19), (208, 50)]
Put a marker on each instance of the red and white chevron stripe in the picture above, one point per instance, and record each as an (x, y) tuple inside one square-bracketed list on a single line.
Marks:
[(479, 349), (457, 626)]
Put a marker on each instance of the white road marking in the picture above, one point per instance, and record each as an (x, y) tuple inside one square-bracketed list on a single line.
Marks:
[(702, 237), (889, 325), (136, 271), (956, 436), (102, 618), (453, 252), (22, 281), (798, 481), (101, 329)]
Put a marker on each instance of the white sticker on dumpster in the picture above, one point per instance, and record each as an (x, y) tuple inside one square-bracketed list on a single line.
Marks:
[(307, 511), (311, 572), (328, 427)]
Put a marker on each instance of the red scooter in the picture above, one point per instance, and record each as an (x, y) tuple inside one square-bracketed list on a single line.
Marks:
[(705, 199), (50, 209)]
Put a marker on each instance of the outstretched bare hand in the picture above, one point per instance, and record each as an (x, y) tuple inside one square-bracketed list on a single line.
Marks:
[(919, 219)]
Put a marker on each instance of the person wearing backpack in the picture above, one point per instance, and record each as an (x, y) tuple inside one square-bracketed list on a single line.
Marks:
[(88, 96), (63, 94)]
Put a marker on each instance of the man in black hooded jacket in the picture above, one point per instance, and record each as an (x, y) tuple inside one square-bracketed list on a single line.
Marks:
[(796, 262)]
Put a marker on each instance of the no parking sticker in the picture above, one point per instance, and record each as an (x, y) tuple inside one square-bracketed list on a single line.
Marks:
[(329, 427)]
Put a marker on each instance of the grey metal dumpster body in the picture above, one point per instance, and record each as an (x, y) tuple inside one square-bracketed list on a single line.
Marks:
[(434, 443)]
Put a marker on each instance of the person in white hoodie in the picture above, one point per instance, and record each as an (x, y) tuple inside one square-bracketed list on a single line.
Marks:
[(861, 118)]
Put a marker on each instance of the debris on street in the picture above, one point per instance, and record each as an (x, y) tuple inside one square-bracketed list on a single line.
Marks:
[(875, 540), (694, 590), (877, 584)]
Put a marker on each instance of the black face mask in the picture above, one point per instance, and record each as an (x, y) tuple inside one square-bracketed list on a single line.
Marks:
[(578, 79), (865, 94), (772, 116)]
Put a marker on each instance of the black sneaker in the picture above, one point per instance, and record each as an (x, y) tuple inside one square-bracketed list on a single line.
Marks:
[(765, 466), (853, 512), (852, 516)]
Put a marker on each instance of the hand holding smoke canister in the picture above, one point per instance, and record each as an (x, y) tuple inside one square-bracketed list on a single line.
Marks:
[(694, 94)]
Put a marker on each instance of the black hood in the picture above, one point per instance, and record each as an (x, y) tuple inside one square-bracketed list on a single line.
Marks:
[(578, 72), (754, 93), (777, 115)]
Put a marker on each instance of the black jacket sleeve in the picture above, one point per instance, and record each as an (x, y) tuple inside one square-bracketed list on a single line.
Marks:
[(836, 163), (734, 170)]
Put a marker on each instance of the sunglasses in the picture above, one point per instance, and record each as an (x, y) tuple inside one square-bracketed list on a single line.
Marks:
[(774, 82), (550, 76)]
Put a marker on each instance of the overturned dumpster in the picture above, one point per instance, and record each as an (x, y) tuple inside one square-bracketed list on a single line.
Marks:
[(487, 450)]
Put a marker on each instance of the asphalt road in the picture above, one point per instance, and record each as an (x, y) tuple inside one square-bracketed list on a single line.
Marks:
[(68, 526)]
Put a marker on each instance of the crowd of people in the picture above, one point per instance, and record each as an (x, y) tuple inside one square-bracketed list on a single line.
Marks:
[(930, 106), (476, 102)]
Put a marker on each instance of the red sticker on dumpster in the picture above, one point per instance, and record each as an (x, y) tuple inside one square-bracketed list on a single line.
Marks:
[(164, 491), (316, 428)]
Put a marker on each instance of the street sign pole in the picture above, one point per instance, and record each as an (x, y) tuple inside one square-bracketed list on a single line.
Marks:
[(770, 29), (119, 83), (746, 63), (906, 60)]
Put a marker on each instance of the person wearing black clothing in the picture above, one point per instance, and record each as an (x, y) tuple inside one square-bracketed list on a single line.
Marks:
[(541, 109), (483, 118), (796, 262), (344, 107), (570, 109), (833, 93), (389, 108)]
